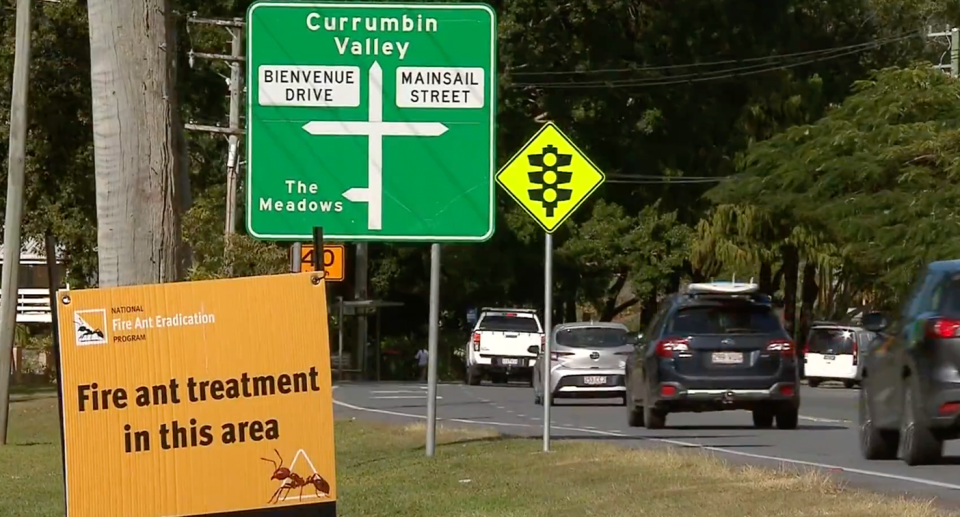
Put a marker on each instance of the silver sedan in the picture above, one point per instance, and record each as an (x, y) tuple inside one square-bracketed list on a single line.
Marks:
[(587, 360)]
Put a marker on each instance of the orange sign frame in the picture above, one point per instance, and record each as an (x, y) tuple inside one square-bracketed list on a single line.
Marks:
[(198, 398)]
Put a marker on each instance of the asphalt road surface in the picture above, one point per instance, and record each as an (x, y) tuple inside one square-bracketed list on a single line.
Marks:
[(826, 438)]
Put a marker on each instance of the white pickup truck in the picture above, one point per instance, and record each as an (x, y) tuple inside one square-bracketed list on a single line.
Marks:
[(498, 345)]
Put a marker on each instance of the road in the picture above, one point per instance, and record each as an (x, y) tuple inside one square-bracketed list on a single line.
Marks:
[(826, 438)]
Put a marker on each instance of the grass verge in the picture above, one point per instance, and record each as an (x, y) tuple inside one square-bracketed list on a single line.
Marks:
[(383, 472)]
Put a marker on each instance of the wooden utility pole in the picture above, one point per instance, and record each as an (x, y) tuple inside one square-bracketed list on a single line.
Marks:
[(234, 130), (14, 211), (141, 175)]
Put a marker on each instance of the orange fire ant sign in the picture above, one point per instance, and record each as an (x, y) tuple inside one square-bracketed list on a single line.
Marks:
[(198, 398)]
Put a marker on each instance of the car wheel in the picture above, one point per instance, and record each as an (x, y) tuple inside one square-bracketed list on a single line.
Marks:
[(634, 414), (875, 444), (762, 418), (473, 377), (918, 446), (653, 418), (813, 383), (788, 416), (537, 399), (849, 384)]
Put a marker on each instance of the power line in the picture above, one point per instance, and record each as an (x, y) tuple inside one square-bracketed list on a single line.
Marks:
[(678, 181), (713, 75), (865, 45)]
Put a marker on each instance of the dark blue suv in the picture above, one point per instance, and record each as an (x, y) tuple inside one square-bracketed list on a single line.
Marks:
[(714, 347)]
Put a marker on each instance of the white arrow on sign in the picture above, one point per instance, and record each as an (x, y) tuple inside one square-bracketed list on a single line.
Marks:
[(374, 129)]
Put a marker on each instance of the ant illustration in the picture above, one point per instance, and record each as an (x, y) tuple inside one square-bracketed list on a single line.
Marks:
[(86, 332), (290, 480)]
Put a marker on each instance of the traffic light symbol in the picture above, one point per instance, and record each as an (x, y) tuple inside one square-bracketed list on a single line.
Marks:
[(549, 178)]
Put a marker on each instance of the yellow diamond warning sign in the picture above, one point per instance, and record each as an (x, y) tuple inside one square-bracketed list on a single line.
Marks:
[(550, 177)]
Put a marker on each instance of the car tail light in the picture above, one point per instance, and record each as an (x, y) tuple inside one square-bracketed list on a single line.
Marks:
[(806, 349), (784, 346), (942, 328), (856, 350), (668, 391), (787, 390), (476, 341), (555, 356), (511, 315), (543, 339), (667, 347), (949, 408)]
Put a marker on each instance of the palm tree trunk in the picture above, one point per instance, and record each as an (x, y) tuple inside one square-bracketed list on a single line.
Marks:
[(791, 267)]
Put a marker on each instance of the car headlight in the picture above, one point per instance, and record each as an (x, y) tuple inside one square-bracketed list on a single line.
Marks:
[(623, 364)]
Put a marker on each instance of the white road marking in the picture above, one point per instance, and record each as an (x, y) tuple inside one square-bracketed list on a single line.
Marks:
[(418, 397), (824, 420), (678, 443), (390, 392)]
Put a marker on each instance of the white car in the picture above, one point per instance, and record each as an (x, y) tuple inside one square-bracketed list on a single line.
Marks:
[(499, 345), (834, 352)]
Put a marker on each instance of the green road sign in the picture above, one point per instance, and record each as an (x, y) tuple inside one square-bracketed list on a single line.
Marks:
[(376, 121)]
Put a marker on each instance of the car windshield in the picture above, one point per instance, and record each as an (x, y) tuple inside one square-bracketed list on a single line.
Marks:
[(830, 340), (725, 319), (592, 337), (499, 323)]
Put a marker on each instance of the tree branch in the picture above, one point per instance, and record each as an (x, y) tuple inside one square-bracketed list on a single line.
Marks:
[(622, 307), (610, 305)]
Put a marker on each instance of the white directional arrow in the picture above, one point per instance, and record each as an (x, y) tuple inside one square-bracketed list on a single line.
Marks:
[(374, 129)]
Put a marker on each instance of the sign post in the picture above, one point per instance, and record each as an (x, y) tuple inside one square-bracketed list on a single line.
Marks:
[(376, 121), (173, 406), (550, 178)]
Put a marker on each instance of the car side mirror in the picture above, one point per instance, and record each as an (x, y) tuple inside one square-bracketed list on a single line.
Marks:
[(533, 349), (875, 322)]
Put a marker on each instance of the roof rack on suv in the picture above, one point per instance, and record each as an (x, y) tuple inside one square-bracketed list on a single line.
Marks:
[(723, 288), (507, 309), (707, 290)]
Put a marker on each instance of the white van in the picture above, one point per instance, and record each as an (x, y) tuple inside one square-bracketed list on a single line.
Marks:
[(834, 352)]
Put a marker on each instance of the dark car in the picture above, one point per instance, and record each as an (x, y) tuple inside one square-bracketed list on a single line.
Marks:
[(714, 347), (910, 393)]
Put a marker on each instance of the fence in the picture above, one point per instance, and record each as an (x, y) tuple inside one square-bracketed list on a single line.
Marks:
[(33, 306)]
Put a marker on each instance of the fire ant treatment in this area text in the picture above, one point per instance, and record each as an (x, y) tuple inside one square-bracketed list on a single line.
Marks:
[(290, 480)]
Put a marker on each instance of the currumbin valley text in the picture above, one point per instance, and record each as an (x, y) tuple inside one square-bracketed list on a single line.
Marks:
[(380, 34)]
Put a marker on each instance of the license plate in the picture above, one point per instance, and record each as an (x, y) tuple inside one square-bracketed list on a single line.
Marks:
[(594, 380), (727, 357), (829, 357), (510, 362)]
